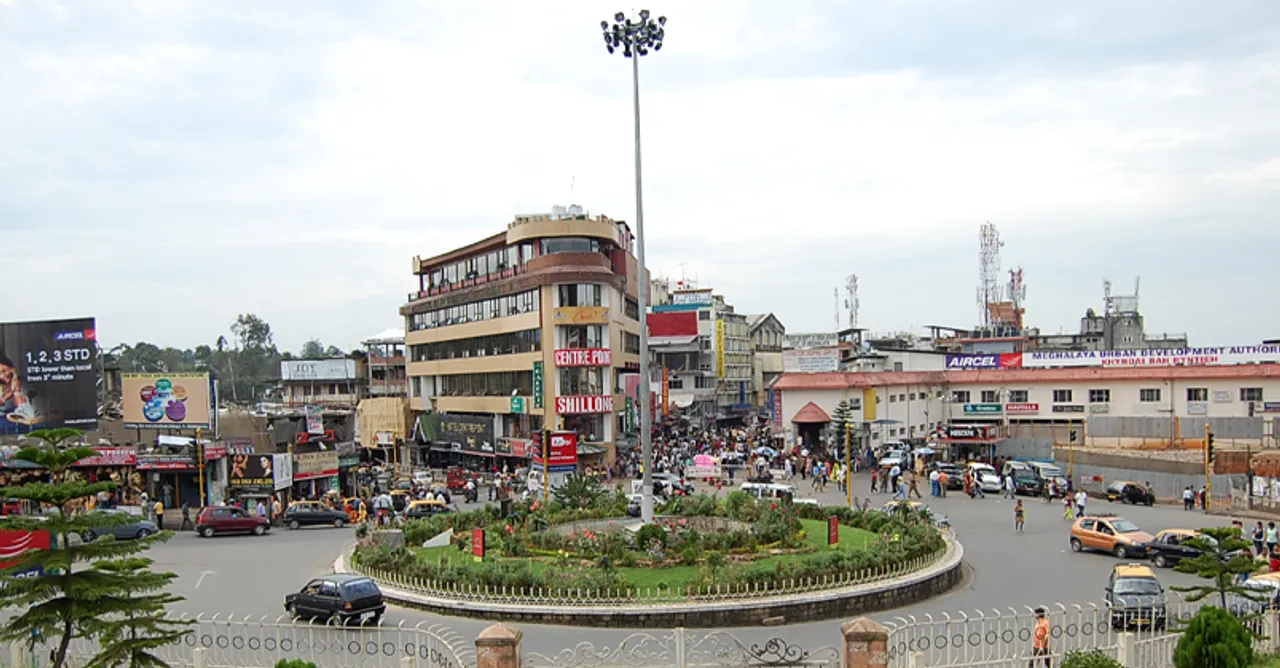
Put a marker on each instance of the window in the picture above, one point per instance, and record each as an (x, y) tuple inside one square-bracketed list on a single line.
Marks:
[(893, 398), (1062, 396), (579, 294), (1197, 394), (1251, 394), (570, 245), (631, 343), (1017, 396), (897, 366), (578, 381), (960, 396), (527, 341), (1149, 395), (498, 384), (497, 307), (584, 336), (902, 397), (991, 396), (704, 315), (631, 308), (675, 383), (1099, 396)]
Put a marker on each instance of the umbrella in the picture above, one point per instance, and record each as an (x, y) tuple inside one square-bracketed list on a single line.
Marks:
[(925, 451), (766, 450)]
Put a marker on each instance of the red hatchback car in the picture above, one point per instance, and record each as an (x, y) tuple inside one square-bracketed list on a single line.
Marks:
[(226, 519)]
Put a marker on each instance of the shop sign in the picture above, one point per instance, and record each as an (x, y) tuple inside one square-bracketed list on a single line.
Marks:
[(580, 315), (1068, 408), (720, 348), (308, 437), (252, 472), (1197, 408), (1271, 407), (165, 463), (567, 357), (215, 451), (629, 419), (1099, 408), (820, 360), (1021, 409), (983, 409), (775, 412), (470, 433), (692, 298), (537, 385), (576, 405), (1222, 396), (122, 456), (961, 432), (1205, 356), (348, 461), (283, 463), (520, 447), (563, 452), (517, 405), (310, 465)]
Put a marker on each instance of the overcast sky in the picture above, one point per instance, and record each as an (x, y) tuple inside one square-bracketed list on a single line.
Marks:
[(167, 165)]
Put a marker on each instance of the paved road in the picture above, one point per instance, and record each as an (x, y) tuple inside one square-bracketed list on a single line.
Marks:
[(251, 575)]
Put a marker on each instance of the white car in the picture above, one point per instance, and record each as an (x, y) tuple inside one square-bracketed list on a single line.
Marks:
[(986, 477)]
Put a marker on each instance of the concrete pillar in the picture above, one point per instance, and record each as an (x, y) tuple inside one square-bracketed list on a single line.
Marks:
[(17, 654), (499, 647), (200, 657), (866, 644), (1270, 628), (1127, 650)]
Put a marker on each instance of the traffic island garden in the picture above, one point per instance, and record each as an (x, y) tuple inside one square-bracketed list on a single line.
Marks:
[(581, 549)]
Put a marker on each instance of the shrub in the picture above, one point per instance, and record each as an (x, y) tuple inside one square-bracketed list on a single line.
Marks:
[(649, 534), (1214, 638), (294, 663), (1090, 659)]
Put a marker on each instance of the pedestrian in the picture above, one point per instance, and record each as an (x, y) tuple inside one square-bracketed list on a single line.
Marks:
[(186, 517), (1272, 537), (1204, 499), (159, 511), (1188, 498), (1008, 486), (1081, 499), (914, 489), (874, 479), (1066, 508), (943, 480), (933, 483), (1019, 516), (1259, 539), (1040, 638)]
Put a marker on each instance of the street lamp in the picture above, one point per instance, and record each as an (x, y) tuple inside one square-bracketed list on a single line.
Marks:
[(638, 38)]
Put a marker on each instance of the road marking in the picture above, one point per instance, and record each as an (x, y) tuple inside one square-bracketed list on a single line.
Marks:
[(201, 578)]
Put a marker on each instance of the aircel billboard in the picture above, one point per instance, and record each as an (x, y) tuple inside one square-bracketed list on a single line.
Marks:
[(1206, 356)]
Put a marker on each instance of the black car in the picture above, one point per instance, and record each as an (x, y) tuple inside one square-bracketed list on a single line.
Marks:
[(955, 474), (1130, 492), (313, 513), (340, 597), (1170, 546), (1025, 481)]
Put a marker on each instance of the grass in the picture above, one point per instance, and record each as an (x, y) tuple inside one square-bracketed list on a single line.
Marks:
[(680, 576)]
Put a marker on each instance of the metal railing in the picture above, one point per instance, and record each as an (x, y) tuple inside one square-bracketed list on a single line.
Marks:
[(477, 593), (997, 638), (681, 648), (227, 641)]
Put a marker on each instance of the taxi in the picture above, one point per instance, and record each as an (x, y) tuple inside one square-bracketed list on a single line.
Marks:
[(1109, 533), (1169, 547), (425, 508), (399, 499), (1135, 597)]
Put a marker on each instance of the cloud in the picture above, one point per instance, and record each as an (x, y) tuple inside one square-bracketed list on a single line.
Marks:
[(166, 165)]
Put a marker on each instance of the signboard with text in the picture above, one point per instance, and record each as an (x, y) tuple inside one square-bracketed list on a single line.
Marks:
[(982, 409), (576, 405), (48, 370), (692, 298), (165, 400), (114, 456), (1205, 356), (720, 348), (470, 433), (568, 357), (580, 315), (304, 370), (563, 452), (252, 473), (311, 465), (1021, 409), (537, 385), (816, 360), (809, 341)]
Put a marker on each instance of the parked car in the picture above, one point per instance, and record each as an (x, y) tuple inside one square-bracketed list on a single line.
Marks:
[(1135, 598), (1169, 547), (139, 528), (674, 483), (985, 476), (955, 474), (1130, 492), (424, 508), (341, 597), (313, 513), (634, 505), (1109, 533), (227, 519)]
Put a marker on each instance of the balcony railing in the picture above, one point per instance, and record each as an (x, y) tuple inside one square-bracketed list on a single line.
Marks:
[(469, 282)]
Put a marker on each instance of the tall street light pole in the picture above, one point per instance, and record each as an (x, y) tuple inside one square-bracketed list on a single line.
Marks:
[(639, 38)]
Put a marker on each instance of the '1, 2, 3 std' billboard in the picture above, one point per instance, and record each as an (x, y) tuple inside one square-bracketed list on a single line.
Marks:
[(48, 375)]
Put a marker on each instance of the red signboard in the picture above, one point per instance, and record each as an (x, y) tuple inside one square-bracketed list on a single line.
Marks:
[(111, 457), (833, 530), (14, 543), (215, 451), (584, 357), (520, 447), (477, 543), (563, 451), (576, 405), (306, 437), (1021, 409)]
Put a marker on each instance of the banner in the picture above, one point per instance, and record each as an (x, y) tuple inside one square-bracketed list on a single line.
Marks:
[(252, 473), (323, 370), (315, 420), (580, 315), (165, 400), (720, 348), (666, 392), (117, 456), (775, 411), (1209, 356), (312, 465), (977, 362), (49, 375), (284, 470), (471, 433), (563, 452), (537, 385), (153, 462), (819, 360)]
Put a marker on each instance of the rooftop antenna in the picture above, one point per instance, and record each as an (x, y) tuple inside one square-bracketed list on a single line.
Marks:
[(989, 290), (851, 299)]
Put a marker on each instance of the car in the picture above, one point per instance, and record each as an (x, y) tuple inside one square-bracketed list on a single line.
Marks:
[(955, 474), (423, 508), (1050, 476), (1109, 533), (634, 505), (400, 498), (139, 528), (985, 476), (229, 519), (1135, 598), (1169, 547), (1130, 492), (674, 482), (1025, 480), (340, 597), (11, 507), (421, 478), (313, 513)]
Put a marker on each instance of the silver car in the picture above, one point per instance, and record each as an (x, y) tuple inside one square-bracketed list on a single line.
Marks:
[(139, 529)]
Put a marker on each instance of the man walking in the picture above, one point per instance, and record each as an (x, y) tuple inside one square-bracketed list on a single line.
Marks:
[(1081, 498), (1008, 487), (1188, 498), (159, 511)]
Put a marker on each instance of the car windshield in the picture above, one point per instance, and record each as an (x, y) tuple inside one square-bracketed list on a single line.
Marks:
[(1051, 471), (1023, 476), (1124, 526), (361, 588), (1139, 586)]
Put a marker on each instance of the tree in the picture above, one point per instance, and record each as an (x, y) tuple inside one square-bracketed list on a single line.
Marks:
[(578, 491), (311, 350), (1224, 557), (842, 419), (130, 638), (1214, 638), (253, 332), (64, 602)]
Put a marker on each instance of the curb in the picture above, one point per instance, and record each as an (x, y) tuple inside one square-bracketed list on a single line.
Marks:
[(897, 592)]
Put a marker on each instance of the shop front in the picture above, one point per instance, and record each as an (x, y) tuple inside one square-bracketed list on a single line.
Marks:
[(314, 474), (114, 465), (171, 478)]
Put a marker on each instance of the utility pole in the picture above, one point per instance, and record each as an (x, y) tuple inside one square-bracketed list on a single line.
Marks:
[(1208, 461), (848, 464)]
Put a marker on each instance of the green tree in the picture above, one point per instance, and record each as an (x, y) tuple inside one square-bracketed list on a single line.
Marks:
[(311, 350), (578, 491), (842, 420), (66, 602), (1214, 638), (1224, 557), (131, 637)]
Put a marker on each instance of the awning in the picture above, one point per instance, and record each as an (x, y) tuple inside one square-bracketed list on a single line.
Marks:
[(811, 414), (682, 400), (589, 449)]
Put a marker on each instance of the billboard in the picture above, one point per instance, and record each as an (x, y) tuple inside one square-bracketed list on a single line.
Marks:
[(817, 360), (14, 544), (580, 315), (111, 456), (692, 298), (1210, 356), (48, 375), (471, 433), (165, 400), (253, 473), (310, 465), (563, 452), (976, 362), (809, 340), (720, 348), (336, 369)]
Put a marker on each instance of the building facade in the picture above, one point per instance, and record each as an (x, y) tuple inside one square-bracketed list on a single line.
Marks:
[(706, 350), (767, 337), (385, 365), (536, 325), (328, 383)]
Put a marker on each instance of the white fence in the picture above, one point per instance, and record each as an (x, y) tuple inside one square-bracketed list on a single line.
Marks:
[(681, 648), (225, 641), (1004, 638)]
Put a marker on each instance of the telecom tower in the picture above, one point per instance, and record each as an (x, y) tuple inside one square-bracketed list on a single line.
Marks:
[(851, 299), (989, 289)]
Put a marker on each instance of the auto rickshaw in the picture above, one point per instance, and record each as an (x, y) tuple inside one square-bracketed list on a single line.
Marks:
[(457, 479)]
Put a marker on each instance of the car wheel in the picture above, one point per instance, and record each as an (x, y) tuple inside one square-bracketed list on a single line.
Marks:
[(1160, 561), (207, 532), (1076, 545), (143, 533), (87, 537), (338, 523), (1150, 502), (294, 524), (259, 530), (1120, 552)]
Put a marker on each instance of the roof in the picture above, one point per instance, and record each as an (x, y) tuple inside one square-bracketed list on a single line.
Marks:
[(755, 320), (811, 413), (342, 577), (839, 380), (1134, 571), (387, 336)]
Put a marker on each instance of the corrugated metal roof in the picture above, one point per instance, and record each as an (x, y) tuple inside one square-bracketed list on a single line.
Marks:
[(842, 380)]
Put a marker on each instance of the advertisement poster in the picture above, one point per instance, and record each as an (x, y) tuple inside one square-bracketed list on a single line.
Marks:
[(315, 420), (666, 392), (720, 349), (775, 412), (111, 456), (563, 452), (284, 470), (477, 544), (13, 544), (165, 400), (833, 531), (537, 385), (470, 433), (704, 466), (48, 375), (311, 465), (252, 473)]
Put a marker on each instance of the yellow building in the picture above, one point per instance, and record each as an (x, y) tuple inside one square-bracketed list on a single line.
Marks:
[(538, 324)]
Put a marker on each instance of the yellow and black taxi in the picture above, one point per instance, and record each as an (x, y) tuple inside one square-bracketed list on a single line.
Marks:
[(1126, 491), (1135, 597), (423, 508), (1109, 533), (1170, 546)]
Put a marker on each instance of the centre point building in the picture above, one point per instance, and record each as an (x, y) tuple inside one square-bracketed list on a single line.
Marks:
[(536, 325)]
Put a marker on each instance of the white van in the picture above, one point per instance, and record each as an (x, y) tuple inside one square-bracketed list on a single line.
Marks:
[(773, 490)]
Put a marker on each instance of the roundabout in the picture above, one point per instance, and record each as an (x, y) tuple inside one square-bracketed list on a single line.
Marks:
[(703, 562)]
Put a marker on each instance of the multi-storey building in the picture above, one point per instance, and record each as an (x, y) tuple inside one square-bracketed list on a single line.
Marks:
[(385, 365), (531, 326), (767, 337), (706, 348), (329, 383)]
